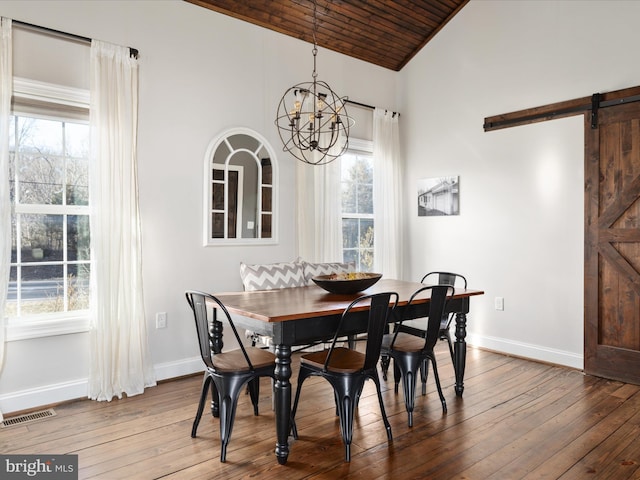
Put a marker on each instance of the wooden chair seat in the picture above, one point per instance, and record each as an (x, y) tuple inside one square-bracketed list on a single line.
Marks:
[(405, 342), (234, 361), (343, 360)]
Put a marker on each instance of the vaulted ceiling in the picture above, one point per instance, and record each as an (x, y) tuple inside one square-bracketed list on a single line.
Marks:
[(382, 32)]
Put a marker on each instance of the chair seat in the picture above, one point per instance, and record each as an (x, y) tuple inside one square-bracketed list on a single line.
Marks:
[(234, 361), (343, 360), (405, 342)]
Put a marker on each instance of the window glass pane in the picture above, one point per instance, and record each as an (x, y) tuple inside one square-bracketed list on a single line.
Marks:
[(41, 237), (366, 233), (365, 198), (349, 233), (42, 289), (366, 260), (217, 225), (12, 177), (14, 242), (36, 135), (77, 181), (350, 256), (40, 179), (78, 237), (217, 200), (11, 307), (348, 197), (76, 140), (267, 171), (78, 287)]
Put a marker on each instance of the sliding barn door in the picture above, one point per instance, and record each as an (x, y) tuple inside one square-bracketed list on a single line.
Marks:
[(612, 244)]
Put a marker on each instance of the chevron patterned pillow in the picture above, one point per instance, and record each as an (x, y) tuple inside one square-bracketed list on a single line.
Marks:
[(272, 275), (314, 269)]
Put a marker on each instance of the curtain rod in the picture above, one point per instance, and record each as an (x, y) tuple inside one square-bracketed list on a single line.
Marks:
[(57, 33), (364, 105)]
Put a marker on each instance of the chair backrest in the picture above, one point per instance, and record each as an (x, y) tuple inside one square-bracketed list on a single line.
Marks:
[(381, 306), (445, 278), (440, 294), (198, 303)]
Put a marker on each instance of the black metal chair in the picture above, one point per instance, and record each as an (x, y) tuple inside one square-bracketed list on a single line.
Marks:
[(226, 372), (434, 278), (411, 353), (345, 369), (455, 280)]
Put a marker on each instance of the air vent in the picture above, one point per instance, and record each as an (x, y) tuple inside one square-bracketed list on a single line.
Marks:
[(27, 418)]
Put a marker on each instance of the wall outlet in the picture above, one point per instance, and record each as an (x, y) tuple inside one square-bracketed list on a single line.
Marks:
[(499, 303), (161, 320)]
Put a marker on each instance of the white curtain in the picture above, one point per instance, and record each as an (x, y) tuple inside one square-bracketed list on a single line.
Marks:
[(120, 360), (6, 82), (387, 194), (319, 212)]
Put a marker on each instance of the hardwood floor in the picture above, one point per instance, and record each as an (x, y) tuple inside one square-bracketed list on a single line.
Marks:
[(517, 420)]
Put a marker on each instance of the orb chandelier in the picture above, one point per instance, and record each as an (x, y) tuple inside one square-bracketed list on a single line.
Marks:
[(312, 119)]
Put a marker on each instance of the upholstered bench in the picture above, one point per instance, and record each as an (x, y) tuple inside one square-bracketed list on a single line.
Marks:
[(298, 273)]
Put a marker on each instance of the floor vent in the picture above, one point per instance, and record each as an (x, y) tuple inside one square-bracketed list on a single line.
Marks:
[(27, 418)]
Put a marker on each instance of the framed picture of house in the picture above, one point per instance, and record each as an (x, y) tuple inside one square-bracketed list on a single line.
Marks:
[(439, 196)]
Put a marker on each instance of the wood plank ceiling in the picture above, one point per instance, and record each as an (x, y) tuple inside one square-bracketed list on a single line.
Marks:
[(382, 32)]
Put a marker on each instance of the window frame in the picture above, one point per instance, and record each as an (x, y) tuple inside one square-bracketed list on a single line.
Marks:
[(358, 146), (60, 103)]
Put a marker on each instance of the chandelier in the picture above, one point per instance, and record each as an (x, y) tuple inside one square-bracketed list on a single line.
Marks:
[(312, 119)]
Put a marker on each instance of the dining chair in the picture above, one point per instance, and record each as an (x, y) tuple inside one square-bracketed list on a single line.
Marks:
[(411, 353), (434, 278), (226, 372), (346, 369)]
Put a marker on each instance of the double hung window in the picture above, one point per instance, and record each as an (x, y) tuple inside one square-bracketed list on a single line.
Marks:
[(49, 192), (357, 206)]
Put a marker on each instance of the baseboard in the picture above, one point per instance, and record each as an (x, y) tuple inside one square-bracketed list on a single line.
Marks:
[(527, 350), (63, 392)]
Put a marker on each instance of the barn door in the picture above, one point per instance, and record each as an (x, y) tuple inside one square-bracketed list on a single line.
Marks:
[(612, 243)]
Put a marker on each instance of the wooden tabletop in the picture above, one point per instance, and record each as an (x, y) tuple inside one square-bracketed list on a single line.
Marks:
[(306, 302)]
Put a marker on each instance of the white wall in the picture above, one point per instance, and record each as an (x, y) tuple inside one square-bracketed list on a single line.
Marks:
[(520, 230), (200, 73)]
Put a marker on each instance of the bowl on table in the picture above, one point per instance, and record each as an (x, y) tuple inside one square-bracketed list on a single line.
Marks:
[(346, 283)]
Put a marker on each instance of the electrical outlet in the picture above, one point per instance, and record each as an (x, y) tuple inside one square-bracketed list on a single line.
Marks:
[(499, 303), (161, 320)]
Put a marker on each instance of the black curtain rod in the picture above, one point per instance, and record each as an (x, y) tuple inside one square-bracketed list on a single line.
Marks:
[(57, 33), (364, 105)]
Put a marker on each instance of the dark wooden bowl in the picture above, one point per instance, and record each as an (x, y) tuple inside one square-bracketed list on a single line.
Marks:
[(346, 287)]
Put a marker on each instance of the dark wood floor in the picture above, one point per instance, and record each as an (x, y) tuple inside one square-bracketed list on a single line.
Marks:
[(517, 420)]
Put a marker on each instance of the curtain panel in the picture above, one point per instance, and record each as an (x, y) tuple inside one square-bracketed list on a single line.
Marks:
[(387, 194), (319, 212), (120, 361), (6, 77)]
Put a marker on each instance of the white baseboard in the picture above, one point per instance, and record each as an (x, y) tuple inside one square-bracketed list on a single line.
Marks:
[(61, 392), (526, 350)]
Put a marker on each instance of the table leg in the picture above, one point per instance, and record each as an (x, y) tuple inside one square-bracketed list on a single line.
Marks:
[(460, 351), (282, 394)]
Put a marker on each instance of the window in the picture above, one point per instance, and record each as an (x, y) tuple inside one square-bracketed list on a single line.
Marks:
[(49, 191), (357, 205)]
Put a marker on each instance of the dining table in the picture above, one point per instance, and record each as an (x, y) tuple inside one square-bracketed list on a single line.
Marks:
[(305, 315)]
